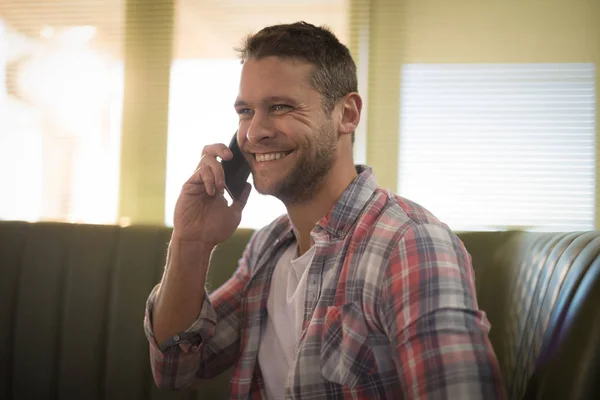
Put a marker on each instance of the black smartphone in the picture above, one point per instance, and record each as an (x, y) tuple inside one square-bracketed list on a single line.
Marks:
[(236, 170)]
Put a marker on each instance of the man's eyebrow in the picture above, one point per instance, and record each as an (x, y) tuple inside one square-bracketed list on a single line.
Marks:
[(267, 100), (240, 103), (278, 99)]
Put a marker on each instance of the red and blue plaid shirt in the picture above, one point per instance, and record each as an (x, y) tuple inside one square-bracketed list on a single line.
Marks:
[(390, 311)]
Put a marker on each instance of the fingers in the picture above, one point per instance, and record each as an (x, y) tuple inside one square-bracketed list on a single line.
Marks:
[(211, 174), (217, 150), (239, 204), (209, 171)]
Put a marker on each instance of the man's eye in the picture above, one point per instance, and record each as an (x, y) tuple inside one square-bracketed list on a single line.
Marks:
[(245, 113), (280, 108)]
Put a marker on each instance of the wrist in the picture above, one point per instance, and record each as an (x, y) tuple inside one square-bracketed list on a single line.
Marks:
[(186, 241), (189, 252)]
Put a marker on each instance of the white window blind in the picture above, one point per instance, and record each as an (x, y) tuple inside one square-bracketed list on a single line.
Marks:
[(500, 146)]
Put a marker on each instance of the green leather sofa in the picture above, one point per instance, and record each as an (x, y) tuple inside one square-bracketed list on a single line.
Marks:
[(72, 304)]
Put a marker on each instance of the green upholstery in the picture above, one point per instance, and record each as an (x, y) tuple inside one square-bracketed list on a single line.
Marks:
[(72, 302), (71, 308), (541, 292)]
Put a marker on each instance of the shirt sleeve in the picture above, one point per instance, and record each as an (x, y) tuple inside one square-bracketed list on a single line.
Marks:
[(430, 314), (210, 345)]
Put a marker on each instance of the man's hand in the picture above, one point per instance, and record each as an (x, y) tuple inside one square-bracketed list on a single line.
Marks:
[(201, 212), (202, 220)]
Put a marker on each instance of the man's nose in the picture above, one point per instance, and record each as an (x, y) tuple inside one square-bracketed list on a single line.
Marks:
[(261, 127)]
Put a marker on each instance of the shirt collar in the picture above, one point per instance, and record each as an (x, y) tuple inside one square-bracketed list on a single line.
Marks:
[(340, 219)]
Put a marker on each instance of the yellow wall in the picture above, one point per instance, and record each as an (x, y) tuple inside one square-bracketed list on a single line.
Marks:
[(148, 46), (502, 31), (385, 63)]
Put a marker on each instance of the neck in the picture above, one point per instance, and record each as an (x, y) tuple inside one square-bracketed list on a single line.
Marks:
[(305, 215)]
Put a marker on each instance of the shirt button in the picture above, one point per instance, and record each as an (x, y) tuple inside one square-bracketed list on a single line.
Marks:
[(194, 348), (176, 338)]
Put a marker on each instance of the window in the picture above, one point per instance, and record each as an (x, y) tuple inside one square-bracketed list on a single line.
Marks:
[(61, 95), (61, 83), (497, 146)]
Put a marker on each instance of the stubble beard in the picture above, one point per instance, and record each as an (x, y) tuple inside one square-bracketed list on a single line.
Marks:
[(310, 170)]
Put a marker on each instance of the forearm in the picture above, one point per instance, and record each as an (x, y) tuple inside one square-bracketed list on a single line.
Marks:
[(181, 293)]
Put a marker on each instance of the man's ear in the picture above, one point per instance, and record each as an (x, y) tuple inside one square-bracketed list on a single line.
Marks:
[(351, 107)]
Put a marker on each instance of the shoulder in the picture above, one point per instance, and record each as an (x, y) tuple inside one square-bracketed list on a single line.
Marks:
[(397, 235), (410, 259), (393, 219)]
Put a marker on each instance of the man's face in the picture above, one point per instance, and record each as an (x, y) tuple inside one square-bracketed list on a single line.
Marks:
[(288, 139)]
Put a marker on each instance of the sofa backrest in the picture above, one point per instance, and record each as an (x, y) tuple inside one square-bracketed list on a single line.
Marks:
[(540, 290), (72, 301)]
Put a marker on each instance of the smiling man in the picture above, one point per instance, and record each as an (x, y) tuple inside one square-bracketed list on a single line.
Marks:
[(355, 293)]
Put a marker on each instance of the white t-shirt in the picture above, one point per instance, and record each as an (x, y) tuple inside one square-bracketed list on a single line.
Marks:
[(285, 308)]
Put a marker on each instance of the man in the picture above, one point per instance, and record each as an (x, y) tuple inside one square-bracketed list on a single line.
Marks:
[(355, 293)]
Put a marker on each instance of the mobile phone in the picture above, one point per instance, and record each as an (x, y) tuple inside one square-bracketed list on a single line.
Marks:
[(236, 170)]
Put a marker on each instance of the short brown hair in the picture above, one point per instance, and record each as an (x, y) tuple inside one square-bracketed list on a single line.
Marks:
[(334, 74)]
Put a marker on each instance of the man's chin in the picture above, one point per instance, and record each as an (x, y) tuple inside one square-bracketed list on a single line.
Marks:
[(264, 188), (286, 189), (272, 190)]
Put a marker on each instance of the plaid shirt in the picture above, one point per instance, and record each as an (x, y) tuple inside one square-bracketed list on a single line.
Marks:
[(390, 311)]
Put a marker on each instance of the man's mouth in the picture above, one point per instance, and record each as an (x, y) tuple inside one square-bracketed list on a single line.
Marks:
[(264, 157)]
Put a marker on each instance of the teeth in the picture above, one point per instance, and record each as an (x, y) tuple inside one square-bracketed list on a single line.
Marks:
[(269, 157)]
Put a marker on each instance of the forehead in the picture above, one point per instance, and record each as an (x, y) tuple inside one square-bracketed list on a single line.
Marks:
[(272, 76)]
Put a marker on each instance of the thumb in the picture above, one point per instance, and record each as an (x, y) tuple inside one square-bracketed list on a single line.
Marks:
[(239, 204)]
